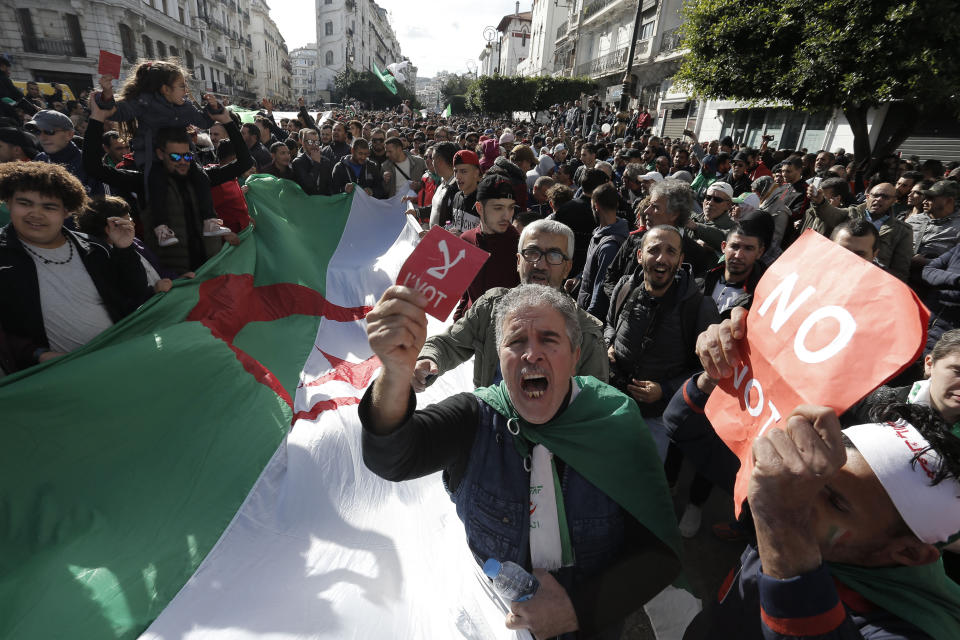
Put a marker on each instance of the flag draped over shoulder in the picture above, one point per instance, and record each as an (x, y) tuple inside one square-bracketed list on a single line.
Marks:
[(150, 483), (388, 80)]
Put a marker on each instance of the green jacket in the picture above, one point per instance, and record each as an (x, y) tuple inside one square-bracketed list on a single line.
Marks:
[(475, 335), (712, 232), (896, 236)]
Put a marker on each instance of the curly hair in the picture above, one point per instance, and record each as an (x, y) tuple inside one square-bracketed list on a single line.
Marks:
[(932, 427), (45, 178)]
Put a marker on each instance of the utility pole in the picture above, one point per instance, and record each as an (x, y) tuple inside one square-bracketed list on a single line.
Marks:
[(625, 94)]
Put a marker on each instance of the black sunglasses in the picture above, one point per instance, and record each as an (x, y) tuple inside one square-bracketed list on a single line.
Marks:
[(177, 157), (717, 199)]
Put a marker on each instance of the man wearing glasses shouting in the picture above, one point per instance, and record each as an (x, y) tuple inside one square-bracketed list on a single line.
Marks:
[(544, 257), (896, 237)]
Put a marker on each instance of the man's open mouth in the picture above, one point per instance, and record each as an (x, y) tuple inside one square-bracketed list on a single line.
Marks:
[(534, 385)]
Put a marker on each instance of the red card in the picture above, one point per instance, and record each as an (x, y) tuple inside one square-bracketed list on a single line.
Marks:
[(109, 64), (442, 267), (826, 327)]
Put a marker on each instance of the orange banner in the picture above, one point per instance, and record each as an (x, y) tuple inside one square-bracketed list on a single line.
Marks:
[(826, 327)]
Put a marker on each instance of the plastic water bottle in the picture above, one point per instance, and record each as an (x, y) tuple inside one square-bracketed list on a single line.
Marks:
[(511, 580)]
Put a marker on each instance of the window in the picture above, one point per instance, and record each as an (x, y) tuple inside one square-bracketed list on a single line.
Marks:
[(161, 49), (327, 1), (203, 74), (76, 35), (328, 28), (646, 31), (183, 15), (127, 43), (147, 46), (329, 58), (189, 60), (174, 53)]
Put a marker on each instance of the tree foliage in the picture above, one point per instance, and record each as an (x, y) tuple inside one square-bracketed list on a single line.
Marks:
[(817, 54), (455, 85), (367, 87), (508, 94)]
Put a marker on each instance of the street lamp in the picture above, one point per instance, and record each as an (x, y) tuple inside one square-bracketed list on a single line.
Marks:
[(490, 34), (625, 94)]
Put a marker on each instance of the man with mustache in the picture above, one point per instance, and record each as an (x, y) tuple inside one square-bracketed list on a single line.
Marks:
[(544, 256), (552, 471)]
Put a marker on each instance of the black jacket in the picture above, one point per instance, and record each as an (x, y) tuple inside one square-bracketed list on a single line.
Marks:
[(315, 178), (745, 299), (655, 338), (578, 215), (370, 177), (117, 273)]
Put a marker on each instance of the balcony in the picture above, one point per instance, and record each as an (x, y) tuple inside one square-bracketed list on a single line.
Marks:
[(605, 64), (595, 7), (562, 29), (216, 25), (670, 41), (54, 47), (220, 57), (286, 65), (243, 93), (236, 64)]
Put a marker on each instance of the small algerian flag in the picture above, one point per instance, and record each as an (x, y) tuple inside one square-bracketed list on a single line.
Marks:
[(448, 111), (246, 115), (151, 485), (388, 80)]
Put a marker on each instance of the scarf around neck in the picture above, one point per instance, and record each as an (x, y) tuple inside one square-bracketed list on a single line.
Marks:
[(602, 435)]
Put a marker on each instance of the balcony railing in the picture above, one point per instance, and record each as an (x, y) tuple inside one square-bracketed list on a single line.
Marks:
[(562, 29), (243, 93), (671, 40), (605, 64), (596, 7), (53, 47), (216, 25), (220, 57)]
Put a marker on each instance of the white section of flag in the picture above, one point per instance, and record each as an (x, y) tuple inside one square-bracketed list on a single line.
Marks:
[(322, 548)]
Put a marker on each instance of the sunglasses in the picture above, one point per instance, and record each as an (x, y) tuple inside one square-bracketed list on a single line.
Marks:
[(177, 157), (716, 199)]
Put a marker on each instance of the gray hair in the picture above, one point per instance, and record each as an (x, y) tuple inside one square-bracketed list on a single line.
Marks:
[(525, 296), (679, 198), (604, 166), (633, 171), (761, 185), (548, 226)]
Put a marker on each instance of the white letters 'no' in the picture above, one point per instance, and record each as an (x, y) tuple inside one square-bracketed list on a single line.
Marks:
[(786, 308)]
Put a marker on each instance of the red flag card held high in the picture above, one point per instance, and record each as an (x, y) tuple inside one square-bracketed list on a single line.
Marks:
[(109, 64), (826, 327), (442, 267)]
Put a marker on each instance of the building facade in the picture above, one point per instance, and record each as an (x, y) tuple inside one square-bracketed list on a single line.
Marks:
[(272, 71), (60, 40), (548, 18), (305, 63), (513, 47), (355, 34)]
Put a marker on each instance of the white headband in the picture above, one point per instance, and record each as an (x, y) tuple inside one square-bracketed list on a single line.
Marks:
[(931, 512)]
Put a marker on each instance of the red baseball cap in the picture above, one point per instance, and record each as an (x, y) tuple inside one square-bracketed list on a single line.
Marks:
[(466, 156)]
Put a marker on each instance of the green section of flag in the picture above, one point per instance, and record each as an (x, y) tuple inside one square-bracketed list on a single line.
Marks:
[(122, 463), (246, 115), (387, 79), (4, 214), (448, 111)]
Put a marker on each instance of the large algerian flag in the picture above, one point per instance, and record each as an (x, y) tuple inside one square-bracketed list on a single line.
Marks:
[(448, 111), (387, 79), (150, 482)]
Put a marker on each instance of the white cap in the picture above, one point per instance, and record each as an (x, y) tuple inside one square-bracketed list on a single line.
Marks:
[(652, 175), (722, 187)]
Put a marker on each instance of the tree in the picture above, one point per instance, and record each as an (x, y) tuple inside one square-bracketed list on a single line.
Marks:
[(455, 85), (507, 94), (817, 54)]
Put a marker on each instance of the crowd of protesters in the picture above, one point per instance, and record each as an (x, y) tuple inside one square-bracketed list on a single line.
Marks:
[(655, 244)]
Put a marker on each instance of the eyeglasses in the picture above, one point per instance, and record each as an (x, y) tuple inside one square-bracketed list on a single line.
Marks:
[(534, 254), (716, 199), (880, 196), (177, 157)]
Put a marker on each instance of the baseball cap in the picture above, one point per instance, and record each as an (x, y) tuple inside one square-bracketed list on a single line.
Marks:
[(494, 186), (947, 188), (722, 187), (20, 138), (634, 153), (559, 147), (465, 156), (5, 60), (651, 175), (49, 120), (488, 132), (682, 175), (507, 138)]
